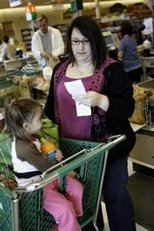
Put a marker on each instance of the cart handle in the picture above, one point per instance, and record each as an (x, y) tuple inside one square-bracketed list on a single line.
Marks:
[(67, 165)]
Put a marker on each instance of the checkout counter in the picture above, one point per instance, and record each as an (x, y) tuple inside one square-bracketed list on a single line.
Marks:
[(142, 154), (148, 67)]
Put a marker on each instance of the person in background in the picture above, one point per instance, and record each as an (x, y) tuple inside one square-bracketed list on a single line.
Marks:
[(47, 42), (8, 51), (20, 48), (24, 119), (109, 97), (128, 53), (147, 45)]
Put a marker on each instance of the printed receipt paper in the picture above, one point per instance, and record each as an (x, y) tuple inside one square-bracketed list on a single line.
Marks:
[(76, 88)]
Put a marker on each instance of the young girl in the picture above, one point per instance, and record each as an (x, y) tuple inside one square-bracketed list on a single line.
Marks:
[(24, 119)]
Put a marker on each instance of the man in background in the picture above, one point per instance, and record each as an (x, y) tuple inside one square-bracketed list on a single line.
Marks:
[(47, 43), (8, 50)]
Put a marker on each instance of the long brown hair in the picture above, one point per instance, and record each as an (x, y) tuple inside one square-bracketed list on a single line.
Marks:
[(90, 29), (18, 111)]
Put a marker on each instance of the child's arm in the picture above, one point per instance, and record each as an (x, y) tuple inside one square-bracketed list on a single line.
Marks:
[(58, 155), (27, 151)]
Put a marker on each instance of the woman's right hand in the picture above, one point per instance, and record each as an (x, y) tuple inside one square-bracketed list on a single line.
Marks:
[(93, 99)]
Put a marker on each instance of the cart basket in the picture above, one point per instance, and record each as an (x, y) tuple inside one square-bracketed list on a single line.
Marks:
[(22, 209)]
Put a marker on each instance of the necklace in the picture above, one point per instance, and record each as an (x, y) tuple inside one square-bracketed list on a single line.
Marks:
[(87, 71)]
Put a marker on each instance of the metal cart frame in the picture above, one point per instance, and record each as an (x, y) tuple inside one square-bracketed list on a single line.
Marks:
[(22, 208), (146, 62)]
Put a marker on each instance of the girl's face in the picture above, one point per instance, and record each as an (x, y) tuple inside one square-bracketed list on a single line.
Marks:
[(81, 47), (35, 125)]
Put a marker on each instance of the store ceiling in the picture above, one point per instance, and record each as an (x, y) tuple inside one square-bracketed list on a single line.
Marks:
[(5, 3)]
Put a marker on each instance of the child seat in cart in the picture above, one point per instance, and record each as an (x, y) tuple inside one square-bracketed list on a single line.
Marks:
[(22, 208)]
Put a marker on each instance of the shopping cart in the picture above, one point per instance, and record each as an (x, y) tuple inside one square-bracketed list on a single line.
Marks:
[(22, 208)]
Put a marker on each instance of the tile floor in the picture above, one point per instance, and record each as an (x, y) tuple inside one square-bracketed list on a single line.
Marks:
[(106, 228)]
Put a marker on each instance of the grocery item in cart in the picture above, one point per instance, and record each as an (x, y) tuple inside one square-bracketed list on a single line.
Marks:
[(49, 132), (48, 149)]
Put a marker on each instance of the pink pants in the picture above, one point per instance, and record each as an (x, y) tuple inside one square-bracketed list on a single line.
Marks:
[(64, 208)]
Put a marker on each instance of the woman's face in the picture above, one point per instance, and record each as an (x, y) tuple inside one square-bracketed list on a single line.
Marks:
[(81, 47)]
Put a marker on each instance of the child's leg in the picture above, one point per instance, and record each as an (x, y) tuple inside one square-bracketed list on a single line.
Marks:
[(61, 209), (74, 193)]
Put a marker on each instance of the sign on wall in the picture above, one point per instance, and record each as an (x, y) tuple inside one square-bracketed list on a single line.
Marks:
[(14, 3)]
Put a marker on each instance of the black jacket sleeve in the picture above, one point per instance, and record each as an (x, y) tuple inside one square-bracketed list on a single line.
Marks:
[(119, 91), (121, 106)]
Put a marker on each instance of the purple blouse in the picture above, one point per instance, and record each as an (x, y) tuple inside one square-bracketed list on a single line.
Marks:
[(77, 127)]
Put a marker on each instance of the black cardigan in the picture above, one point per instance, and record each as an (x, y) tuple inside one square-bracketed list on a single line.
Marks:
[(121, 106)]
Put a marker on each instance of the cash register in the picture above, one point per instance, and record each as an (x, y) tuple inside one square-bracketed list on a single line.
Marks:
[(112, 43)]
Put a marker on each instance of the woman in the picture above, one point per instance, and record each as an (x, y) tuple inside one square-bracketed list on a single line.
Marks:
[(108, 94), (128, 53)]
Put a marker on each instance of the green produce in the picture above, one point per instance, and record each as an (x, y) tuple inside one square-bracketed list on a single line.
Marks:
[(49, 131)]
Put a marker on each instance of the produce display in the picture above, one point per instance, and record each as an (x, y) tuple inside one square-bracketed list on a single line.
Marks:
[(38, 82), (8, 86), (30, 70), (23, 83)]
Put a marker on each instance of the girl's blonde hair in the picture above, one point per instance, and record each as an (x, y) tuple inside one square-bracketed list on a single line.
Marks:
[(18, 111)]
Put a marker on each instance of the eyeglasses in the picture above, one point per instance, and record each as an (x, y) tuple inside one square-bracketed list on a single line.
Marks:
[(77, 42)]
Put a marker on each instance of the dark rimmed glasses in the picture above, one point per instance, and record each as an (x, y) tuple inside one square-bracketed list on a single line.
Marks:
[(77, 42)]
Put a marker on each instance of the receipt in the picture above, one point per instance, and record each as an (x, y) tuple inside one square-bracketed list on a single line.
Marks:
[(76, 88)]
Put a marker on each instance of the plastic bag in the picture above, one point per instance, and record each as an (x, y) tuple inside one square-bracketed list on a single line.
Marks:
[(140, 95), (47, 72)]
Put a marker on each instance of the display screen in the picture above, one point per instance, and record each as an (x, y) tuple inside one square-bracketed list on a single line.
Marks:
[(15, 3), (108, 39)]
